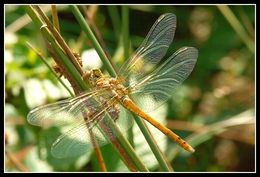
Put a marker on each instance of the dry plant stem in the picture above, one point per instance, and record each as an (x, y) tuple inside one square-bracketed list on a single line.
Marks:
[(197, 128), (74, 84), (184, 125), (16, 162), (119, 148), (77, 90), (60, 40), (109, 134), (134, 160), (61, 58), (50, 68), (98, 152), (14, 121), (76, 87), (55, 18), (234, 136), (95, 145), (214, 129)]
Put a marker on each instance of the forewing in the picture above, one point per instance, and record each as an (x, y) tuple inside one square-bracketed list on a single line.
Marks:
[(151, 51), (158, 87)]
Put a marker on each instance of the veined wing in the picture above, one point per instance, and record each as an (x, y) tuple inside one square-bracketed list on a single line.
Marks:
[(158, 87), (66, 111), (78, 140), (85, 115), (153, 48)]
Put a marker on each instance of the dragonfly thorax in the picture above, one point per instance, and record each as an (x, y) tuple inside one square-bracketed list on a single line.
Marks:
[(113, 85), (92, 76), (100, 81)]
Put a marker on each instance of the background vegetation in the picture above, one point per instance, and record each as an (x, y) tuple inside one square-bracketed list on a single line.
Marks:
[(214, 108)]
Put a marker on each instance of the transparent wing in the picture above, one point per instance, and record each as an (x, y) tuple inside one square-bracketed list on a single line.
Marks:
[(83, 115), (64, 112), (158, 87), (78, 140), (153, 48)]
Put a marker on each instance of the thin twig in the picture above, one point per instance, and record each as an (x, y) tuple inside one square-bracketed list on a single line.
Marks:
[(50, 68), (17, 157), (16, 162), (66, 74), (55, 18), (60, 40), (246, 117), (61, 59)]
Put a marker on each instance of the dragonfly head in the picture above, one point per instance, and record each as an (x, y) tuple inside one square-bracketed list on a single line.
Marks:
[(96, 73), (94, 76)]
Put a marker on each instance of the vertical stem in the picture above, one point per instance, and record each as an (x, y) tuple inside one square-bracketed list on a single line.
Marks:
[(114, 15), (98, 35), (98, 152), (61, 56), (60, 40), (122, 141), (125, 30), (126, 146), (55, 18), (85, 27), (126, 41)]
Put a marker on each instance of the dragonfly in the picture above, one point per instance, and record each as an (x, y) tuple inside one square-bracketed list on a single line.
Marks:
[(145, 83)]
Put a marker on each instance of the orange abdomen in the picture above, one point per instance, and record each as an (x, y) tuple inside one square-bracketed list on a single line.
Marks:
[(129, 104)]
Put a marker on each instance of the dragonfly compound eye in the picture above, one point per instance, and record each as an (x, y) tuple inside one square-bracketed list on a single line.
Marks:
[(97, 73)]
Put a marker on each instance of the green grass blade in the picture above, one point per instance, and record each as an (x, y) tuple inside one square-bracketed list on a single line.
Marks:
[(85, 27), (236, 25), (114, 15), (50, 68), (154, 147), (125, 30)]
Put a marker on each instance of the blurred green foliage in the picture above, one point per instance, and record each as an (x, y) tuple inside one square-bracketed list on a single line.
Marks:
[(220, 88)]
